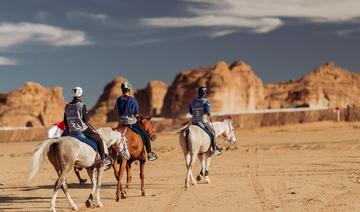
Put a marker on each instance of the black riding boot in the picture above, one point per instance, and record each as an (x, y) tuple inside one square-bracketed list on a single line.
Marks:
[(151, 156), (89, 133)]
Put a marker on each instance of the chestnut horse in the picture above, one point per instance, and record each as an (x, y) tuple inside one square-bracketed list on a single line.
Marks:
[(137, 151)]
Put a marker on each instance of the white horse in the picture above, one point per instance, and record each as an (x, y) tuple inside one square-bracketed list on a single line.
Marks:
[(67, 152), (195, 141)]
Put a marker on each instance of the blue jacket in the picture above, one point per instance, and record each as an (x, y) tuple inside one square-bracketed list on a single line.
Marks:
[(127, 106)]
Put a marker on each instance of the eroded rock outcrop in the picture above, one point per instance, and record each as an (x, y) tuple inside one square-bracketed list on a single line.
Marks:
[(327, 86), (232, 88), (150, 100), (31, 105)]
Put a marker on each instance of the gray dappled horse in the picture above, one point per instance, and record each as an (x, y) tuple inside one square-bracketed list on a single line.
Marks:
[(67, 152), (195, 142)]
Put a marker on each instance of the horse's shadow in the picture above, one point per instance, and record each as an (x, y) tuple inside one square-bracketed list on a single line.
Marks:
[(16, 203), (85, 186)]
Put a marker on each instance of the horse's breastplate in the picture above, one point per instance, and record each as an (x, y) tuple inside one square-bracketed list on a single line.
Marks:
[(199, 115), (74, 117), (127, 120)]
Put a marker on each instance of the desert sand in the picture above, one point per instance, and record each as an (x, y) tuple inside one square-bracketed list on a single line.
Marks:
[(308, 167)]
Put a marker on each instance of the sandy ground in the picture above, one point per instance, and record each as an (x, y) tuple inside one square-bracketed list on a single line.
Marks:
[(309, 167)]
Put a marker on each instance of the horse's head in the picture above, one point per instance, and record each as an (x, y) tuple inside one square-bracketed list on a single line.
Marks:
[(229, 131), (146, 122)]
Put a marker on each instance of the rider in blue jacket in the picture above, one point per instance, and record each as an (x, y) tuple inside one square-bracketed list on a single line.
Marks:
[(200, 111), (128, 110)]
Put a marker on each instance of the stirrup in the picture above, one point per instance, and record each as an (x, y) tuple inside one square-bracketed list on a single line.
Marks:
[(152, 157)]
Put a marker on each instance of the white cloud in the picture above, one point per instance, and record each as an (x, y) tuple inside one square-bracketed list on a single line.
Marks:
[(143, 42), (259, 16), (41, 16), (12, 34), (348, 32), (7, 62), (76, 16)]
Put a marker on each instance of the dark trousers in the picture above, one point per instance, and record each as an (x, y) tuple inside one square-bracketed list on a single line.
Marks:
[(210, 131), (138, 128), (90, 133)]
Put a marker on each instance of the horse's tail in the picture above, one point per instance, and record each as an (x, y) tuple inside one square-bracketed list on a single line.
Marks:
[(186, 135), (39, 152)]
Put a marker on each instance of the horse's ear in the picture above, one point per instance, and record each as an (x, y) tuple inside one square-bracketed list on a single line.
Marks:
[(149, 118)]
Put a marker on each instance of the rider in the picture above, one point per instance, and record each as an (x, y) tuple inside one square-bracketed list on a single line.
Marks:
[(128, 110), (200, 110), (76, 121)]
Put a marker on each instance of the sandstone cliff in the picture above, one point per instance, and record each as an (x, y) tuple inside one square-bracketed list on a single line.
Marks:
[(232, 88), (327, 86), (32, 105), (150, 100)]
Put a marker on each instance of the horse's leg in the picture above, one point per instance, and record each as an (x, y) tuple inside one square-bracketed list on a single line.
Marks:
[(77, 172), (120, 189), (116, 167), (100, 172), (64, 187), (202, 170), (128, 175), (190, 162), (54, 195), (208, 161), (142, 166), (60, 184), (91, 173), (187, 161)]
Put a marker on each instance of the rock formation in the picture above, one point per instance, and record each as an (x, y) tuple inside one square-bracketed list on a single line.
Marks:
[(150, 100), (31, 105), (327, 86), (232, 89)]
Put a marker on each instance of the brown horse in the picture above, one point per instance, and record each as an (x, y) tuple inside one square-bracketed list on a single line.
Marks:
[(137, 152)]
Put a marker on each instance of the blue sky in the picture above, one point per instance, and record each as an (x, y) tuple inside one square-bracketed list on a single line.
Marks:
[(89, 42)]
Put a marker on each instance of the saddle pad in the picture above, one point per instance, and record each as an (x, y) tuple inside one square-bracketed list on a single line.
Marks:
[(81, 137), (205, 130)]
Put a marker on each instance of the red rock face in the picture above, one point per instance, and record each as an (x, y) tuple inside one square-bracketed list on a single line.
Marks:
[(150, 100), (32, 105), (231, 89), (327, 86), (103, 111)]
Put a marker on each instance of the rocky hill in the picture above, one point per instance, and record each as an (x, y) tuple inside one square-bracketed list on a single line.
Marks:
[(327, 86), (232, 88), (150, 100), (31, 105)]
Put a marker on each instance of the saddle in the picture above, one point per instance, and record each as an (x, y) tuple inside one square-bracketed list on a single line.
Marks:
[(135, 130), (81, 137)]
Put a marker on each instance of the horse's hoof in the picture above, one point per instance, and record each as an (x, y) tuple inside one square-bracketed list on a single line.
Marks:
[(117, 199), (193, 183), (88, 203), (52, 209), (143, 194), (74, 208), (198, 178), (100, 205), (207, 180), (123, 196)]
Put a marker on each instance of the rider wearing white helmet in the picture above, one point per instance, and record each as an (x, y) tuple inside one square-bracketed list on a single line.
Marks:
[(76, 121)]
